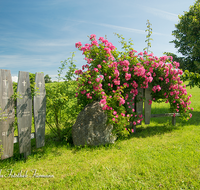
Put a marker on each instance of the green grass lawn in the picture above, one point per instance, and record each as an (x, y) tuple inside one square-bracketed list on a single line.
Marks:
[(157, 156)]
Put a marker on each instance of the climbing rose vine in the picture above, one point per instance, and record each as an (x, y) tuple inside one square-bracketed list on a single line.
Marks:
[(113, 78)]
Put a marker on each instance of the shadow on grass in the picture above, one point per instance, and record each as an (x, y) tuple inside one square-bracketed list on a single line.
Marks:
[(52, 145), (195, 120), (159, 126), (149, 131)]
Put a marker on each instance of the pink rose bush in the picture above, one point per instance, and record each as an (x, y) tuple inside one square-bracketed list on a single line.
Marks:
[(113, 78)]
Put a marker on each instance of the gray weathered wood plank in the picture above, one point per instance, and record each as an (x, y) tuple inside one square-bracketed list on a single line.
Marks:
[(7, 111), (147, 107), (16, 139), (40, 110), (131, 101), (139, 103), (165, 115), (24, 113), (173, 120)]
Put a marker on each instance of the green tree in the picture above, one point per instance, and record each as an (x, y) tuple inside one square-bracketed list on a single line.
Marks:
[(187, 36), (47, 79)]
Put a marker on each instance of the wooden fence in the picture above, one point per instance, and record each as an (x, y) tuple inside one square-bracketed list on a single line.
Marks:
[(146, 93), (23, 113)]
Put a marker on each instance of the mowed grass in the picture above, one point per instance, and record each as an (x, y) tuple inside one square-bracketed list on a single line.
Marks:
[(157, 156)]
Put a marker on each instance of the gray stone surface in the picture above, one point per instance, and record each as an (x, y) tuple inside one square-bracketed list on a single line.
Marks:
[(91, 128)]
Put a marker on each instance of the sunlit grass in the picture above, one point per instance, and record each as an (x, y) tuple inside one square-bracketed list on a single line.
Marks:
[(157, 156)]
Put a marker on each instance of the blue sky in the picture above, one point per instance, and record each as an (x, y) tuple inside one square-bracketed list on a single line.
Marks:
[(35, 36)]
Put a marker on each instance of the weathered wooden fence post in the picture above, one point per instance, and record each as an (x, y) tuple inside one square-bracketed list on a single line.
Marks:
[(147, 107), (7, 111), (173, 120), (139, 102), (24, 113), (40, 109), (131, 101)]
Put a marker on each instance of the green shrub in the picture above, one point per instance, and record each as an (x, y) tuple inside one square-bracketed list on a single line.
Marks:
[(61, 104)]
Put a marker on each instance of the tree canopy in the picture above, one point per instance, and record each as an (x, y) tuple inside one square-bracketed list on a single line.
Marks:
[(187, 36), (47, 79)]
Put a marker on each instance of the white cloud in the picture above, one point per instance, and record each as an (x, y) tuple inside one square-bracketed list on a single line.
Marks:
[(15, 78), (120, 28), (160, 13), (27, 62)]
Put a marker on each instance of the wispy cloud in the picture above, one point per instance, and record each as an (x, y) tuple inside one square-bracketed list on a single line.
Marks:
[(24, 61), (160, 13), (128, 29), (121, 28), (115, 27), (38, 46)]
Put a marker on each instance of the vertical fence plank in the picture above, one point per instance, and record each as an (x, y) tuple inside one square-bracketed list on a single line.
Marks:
[(40, 110), (139, 103), (147, 107), (173, 120), (24, 113), (131, 101), (7, 111)]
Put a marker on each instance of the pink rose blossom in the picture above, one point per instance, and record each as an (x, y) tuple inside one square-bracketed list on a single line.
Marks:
[(78, 44), (103, 101), (96, 70), (127, 76), (114, 112)]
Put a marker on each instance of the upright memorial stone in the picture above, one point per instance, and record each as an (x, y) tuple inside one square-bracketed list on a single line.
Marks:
[(7, 114), (147, 106), (24, 113), (40, 109)]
